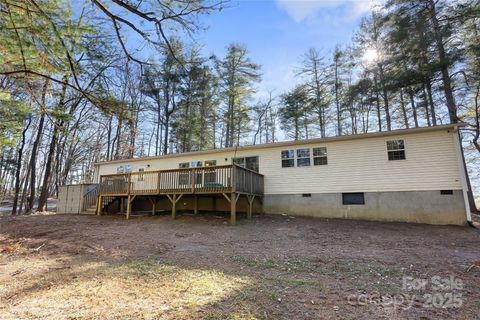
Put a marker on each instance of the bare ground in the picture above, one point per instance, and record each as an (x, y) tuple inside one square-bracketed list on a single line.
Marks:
[(197, 267)]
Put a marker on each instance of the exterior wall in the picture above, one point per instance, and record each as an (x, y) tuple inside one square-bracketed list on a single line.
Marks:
[(407, 206), (402, 190), (359, 165)]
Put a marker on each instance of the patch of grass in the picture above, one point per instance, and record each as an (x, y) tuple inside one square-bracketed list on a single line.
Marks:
[(117, 290)]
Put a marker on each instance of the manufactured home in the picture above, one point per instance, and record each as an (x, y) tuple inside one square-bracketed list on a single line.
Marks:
[(411, 175)]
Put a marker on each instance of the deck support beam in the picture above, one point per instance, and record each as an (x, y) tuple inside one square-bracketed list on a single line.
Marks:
[(174, 198), (99, 205), (195, 209), (129, 205), (233, 198), (122, 205), (250, 199), (153, 201)]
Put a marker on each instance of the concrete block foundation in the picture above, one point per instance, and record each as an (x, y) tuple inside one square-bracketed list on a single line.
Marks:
[(429, 207)]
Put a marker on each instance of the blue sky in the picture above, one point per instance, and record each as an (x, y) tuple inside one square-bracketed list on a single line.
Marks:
[(278, 32)]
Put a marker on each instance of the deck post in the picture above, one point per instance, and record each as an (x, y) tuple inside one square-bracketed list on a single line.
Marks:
[(233, 209), (154, 206), (195, 210), (99, 205), (122, 205), (129, 207), (174, 206), (250, 205)]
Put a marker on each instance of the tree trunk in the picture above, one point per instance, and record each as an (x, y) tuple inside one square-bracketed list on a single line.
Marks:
[(425, 102), (337, 101), (377, 101), (447, 82), (42, 200), (36, 143), (385, 99), (428, 86), (19, 167), (414, 108), (404, 110)]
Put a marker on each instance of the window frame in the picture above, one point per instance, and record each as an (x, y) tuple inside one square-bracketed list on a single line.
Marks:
[(141, 171), (396, 151), (209, 175), (352, 203), (320, 156), (209, 163), (289, 159), (309, 157), (243, 162), (184, 178)]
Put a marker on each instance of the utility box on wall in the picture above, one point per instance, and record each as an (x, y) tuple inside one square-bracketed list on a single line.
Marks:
[(71, 197)]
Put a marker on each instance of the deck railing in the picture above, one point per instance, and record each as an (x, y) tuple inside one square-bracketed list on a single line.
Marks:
[(213, 179), (90, 198)]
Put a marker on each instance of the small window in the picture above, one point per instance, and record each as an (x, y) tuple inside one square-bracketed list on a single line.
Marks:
[(239, 161), (195, 164), (184, 165), (320, 156), (446, 191), (288, 159), (250, 163), (140, 175), (210, 176), (396, 149), (353, 198), (303, 157), (184, 176), (210, 163)]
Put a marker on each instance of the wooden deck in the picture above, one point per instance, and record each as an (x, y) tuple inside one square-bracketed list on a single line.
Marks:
[(231, 181)]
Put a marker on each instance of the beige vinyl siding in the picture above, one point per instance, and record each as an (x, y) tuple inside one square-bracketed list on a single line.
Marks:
[(359, 165)]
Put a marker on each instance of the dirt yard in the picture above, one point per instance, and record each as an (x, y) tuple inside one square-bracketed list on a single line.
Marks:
[(272, 267)]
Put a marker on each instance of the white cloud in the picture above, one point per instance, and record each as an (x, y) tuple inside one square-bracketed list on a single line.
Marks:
[(300, 10)]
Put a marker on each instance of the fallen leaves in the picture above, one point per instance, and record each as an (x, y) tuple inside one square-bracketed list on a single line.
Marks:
[(11, 248)]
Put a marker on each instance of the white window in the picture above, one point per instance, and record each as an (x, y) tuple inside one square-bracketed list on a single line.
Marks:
[(184, 176), (288, 158), (396, 149), (184, 165), (303, 157), (140, 175), (250, 163), (210, 163), (320, 156), (210, 175)]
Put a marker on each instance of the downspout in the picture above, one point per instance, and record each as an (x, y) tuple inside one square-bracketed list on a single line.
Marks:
[(463, 174)]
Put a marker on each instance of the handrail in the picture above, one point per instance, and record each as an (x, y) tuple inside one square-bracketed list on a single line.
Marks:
[(206, 179), (246, 169), (90, 198)]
